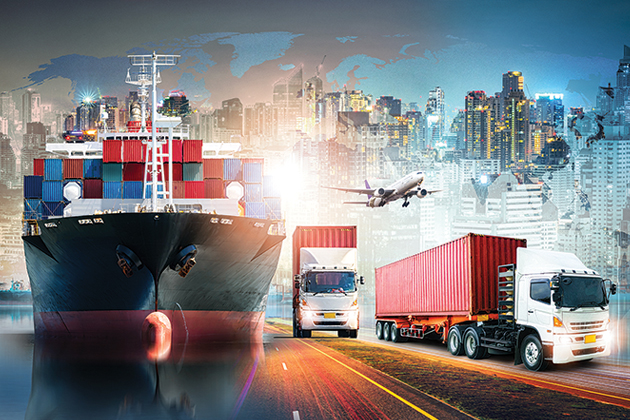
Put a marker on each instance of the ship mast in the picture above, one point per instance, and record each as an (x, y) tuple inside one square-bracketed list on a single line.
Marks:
[(154, 147)]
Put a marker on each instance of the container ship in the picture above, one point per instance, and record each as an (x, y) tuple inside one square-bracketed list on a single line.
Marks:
[(145, 221)]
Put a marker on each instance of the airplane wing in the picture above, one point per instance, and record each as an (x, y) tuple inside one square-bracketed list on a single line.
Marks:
[(355, 190), (365, 203)]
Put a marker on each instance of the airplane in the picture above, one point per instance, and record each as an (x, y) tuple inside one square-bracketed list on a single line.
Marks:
[(408, 186)]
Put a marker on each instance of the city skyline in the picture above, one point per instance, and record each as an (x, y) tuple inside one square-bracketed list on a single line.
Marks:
[(404, 49)]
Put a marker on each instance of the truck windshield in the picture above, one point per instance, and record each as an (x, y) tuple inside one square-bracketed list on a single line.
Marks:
[(329, 282), (582, 292)]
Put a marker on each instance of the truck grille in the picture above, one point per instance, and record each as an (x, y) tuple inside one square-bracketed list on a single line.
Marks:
[(592, 350), (583, 326), (329, 322)]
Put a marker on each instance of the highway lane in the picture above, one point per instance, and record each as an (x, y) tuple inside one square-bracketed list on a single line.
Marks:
[(598, 379), (300, 379)]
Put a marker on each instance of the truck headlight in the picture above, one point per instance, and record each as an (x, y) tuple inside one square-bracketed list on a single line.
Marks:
[(563, 339)]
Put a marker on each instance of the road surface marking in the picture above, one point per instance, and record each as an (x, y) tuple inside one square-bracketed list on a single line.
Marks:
[(296, 415), (284, 366), (392, 393)]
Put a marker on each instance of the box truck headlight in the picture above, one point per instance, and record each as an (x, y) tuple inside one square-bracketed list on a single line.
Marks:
[(565, 340)]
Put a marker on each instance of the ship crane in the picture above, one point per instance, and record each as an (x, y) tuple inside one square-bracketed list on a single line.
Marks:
[(149, 75)]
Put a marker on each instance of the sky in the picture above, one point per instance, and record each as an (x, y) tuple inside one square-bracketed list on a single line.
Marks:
[(403, 48)]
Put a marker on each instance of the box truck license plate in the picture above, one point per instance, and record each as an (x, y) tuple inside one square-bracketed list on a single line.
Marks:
[(332, 315), (589, 338)]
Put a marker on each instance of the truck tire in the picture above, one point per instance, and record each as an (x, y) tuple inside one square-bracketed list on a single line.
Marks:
[(387, 335), (306, 333), (532, 353), (472, 344), (342, 333), (394, 333), (379, 330), (353, 333), (454, 341), (296, 331)]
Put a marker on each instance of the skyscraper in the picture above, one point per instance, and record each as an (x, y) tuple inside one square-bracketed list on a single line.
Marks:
[(517, 125), (622, 93), (287, 101), (31, 108), (435, 116), (477, 125)]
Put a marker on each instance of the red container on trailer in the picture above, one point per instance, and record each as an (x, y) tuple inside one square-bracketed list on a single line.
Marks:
[(193, 189), (38, 167), (212, 168), (92, 188), (72, 168), (133, 171), (214, 188), (193, 151), (132, 151), (112, 151), (456, 278)]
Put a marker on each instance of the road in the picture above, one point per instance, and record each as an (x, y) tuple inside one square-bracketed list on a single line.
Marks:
[(300, 380), (598, 379)]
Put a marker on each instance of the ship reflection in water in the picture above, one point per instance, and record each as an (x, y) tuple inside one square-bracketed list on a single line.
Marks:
[(77, 379)]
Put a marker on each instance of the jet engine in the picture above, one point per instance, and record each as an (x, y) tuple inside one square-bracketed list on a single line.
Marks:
[(422, 193), (379, 192), (376, 202)]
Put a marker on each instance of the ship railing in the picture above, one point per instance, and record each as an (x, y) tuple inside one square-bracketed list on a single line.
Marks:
[(30, 228), (277, 228)]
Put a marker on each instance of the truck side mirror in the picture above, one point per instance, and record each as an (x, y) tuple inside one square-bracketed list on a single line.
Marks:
[(554, 285), (361, 280), (296, 282), (613, 288), (557, 298)]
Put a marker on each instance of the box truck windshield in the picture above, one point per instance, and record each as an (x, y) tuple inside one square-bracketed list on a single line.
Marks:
[(329, 282), (581, 292)]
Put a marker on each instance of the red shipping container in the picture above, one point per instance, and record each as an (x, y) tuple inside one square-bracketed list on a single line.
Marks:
[(214, 188), (178, 173), (92, 188), (456, 278), (177, 151), (112, 151), (133, 171), (72, 168), (193, 151), (178, 190), (212, 168), (321, 237), (193, 189), (132, 151), (38, 167), (135, 126)]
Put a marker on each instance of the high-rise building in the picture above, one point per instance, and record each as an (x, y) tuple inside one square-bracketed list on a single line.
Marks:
[(477, 125), (622, 92), (435, 113), (517, 125), (389, 105), (31, 107), (549, 110), (288, 95), (7, 160)]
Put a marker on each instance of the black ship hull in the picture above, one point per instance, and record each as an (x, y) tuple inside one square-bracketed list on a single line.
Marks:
[(80, 287)]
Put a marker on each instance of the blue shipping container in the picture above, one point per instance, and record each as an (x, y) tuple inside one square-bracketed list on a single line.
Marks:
[(253, 193), (273, 208), (132, 189), (112, 172), (32, 209), (149, 189), (256, 210), (33, 186), (52, 191), (193, 171), (232, 170), (112, 189), (52, 208), (271, 186), (252, 172), (93, 168), (53, 169)]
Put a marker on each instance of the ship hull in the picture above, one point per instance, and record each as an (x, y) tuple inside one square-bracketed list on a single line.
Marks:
[(79, 289)]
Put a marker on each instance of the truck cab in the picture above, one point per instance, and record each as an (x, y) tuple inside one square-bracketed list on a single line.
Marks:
[(562, 307), (327, 292)]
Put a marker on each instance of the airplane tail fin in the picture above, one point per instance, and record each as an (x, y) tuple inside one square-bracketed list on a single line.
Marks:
[(367, 185)]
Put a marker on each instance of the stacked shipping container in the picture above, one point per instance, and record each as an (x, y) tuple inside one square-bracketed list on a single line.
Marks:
[(120, 175)]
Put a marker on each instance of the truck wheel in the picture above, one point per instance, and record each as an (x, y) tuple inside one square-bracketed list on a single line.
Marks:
[(296, 332), (387, 335), (472, 344), (394, 333), (532, 353), (379, 330), (342, 333), (306, 333), (353, 333), (455, 342)]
